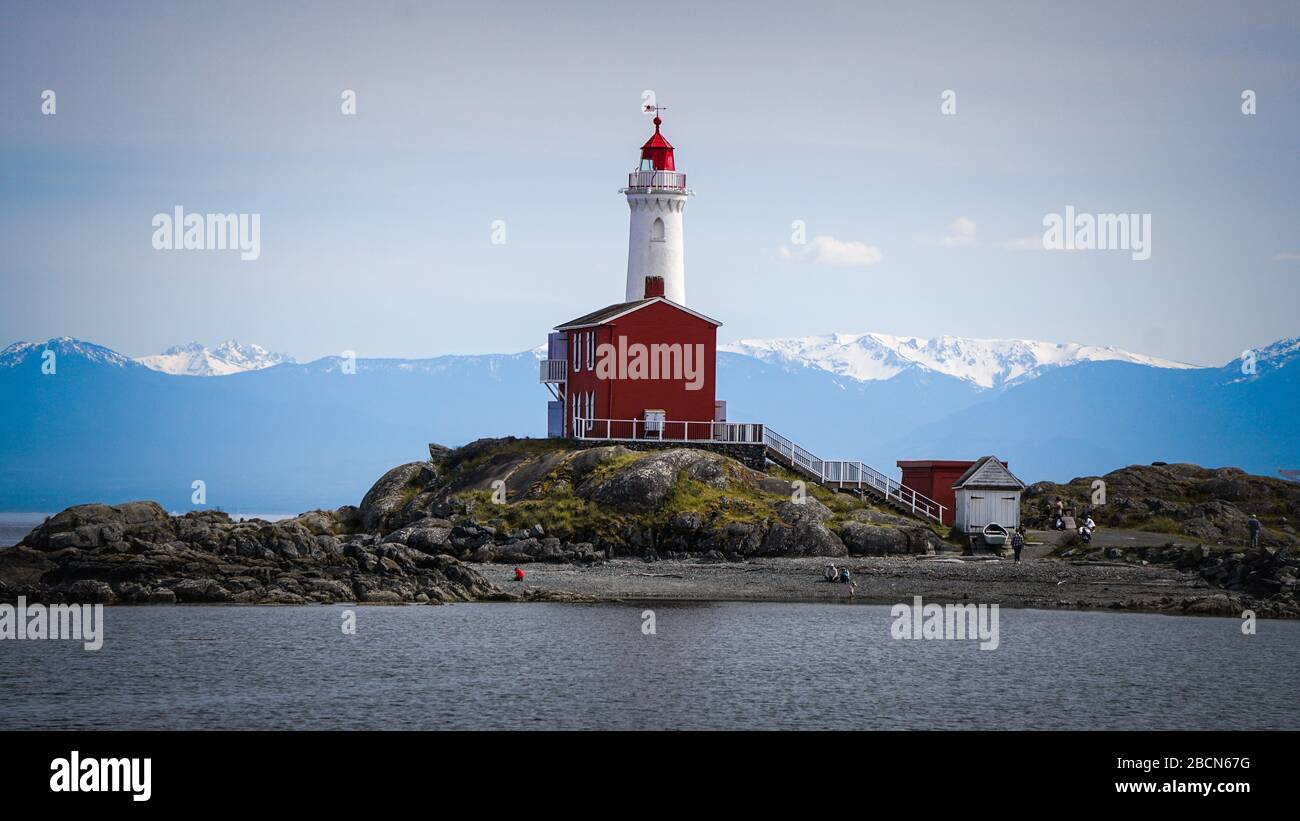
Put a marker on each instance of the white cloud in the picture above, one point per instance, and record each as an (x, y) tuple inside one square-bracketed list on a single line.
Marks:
[(831, 251), (960, 232)]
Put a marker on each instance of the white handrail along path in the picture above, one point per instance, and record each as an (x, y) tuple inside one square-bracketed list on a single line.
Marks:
[(844, 475), (839, 475)]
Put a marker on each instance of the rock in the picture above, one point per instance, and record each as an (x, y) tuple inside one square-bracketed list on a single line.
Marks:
[(318, 522), (390, 494), (132, 592), (277, 596), (438, 453), (807, 510), (88, 591), (93, 525), (428, 535), (162, 595), (644, 485), (873, 540), (1216, 605), (200, 590), (382, 597), (584, 462)]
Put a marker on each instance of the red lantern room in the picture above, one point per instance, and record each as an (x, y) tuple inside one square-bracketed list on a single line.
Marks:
[(657, 153)]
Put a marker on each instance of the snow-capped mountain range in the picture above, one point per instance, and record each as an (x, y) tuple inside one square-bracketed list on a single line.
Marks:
[(71, 408), (987, 363), (227, 358)]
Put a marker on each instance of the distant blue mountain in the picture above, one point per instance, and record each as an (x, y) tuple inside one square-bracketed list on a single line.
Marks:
[(291, 437), (283, 439), (1095, 417)]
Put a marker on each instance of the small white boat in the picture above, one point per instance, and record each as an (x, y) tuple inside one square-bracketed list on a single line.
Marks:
[(995, 535)]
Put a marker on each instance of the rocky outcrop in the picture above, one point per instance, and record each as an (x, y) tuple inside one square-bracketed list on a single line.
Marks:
[(137, 553), (499, 500), (1212, 505), (1265, 579)]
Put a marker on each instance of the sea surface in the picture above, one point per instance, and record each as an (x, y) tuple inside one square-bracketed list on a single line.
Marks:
[(716, 666), (14, 526)]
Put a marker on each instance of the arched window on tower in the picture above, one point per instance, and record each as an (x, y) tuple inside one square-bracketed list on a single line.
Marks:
[(657, 230)]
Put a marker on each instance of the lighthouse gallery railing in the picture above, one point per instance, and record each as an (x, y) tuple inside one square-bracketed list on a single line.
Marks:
[(657, 179)]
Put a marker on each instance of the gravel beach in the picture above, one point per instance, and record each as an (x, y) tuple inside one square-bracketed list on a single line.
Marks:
[(1036, 582)]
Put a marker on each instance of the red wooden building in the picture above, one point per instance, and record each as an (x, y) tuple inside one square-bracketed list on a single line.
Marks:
[(935, 478), (637, 369)]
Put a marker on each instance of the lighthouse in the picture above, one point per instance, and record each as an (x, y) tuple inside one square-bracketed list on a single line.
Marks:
[(656, 197), (666, 392)]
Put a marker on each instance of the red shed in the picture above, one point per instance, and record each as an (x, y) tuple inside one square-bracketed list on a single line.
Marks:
[(640, 368), (935, 478)]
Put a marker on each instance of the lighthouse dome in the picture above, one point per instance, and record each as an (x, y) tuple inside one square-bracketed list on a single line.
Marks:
[(657, 152)]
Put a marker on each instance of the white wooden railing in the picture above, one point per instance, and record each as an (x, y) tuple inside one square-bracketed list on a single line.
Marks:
[(628, 430), (554, 370), (657, 179), (843, 475)]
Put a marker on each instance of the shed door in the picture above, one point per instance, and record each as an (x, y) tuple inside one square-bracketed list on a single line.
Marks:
[(978, 515), (1008, 513)]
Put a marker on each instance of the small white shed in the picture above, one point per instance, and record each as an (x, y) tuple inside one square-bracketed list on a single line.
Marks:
[(987, 493)]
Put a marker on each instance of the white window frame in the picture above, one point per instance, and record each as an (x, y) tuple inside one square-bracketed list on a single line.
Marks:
[(577, 353), (591, 350), (663, 228)]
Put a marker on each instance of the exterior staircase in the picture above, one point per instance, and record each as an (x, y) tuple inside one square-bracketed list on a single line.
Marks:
[(850, 477)]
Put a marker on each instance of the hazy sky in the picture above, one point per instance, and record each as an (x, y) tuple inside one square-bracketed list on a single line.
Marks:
[(376, 228)]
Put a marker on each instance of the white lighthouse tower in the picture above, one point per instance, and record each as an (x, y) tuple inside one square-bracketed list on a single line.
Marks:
[(656, 194)]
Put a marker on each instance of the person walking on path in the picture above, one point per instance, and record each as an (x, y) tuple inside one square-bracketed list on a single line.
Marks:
[(1253, 524), (1018, 542)]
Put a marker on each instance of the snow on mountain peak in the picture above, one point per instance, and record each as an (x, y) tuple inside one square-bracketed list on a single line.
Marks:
[(63, 346), (989, 363), (229, 357)]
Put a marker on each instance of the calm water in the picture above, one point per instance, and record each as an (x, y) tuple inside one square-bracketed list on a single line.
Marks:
[(589, 666), (14, 526)]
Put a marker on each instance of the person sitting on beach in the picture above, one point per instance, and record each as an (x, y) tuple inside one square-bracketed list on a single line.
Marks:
[(831, 573), (847, 579), (1060, 523), (519, 575), (1085, 532)]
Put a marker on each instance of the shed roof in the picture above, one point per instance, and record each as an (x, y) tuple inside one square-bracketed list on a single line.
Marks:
[(612, 312), (988, 472)]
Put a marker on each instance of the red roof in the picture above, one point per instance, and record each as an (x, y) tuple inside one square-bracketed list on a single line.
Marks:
[(613, 312), (658, 150)]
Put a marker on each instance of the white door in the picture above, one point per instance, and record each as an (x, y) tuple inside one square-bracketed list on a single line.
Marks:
[(1008, 511)]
